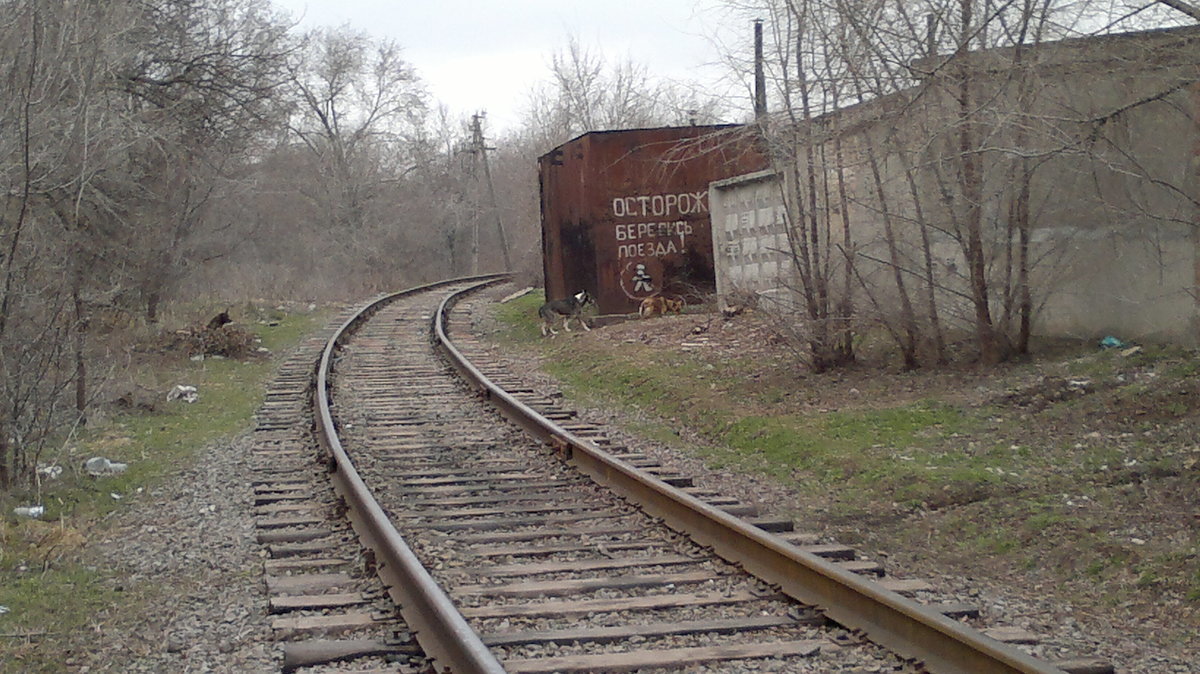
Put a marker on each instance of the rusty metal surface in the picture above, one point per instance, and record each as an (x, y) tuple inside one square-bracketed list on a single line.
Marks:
[(625, 213), (887, 618), (438, 626)]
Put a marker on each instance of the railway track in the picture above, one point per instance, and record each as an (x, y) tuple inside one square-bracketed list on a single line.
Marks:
[(513, 537)]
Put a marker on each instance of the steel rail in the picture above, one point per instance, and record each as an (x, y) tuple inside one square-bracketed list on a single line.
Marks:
[(436, 624), (941, 644)]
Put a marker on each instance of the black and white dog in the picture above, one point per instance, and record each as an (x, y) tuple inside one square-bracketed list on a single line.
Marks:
[(571, 307)]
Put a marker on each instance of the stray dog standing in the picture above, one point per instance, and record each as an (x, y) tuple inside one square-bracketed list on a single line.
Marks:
[(657, 304), (571, 307)]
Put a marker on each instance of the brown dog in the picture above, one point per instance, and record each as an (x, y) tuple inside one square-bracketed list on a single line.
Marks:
[(659, 305)]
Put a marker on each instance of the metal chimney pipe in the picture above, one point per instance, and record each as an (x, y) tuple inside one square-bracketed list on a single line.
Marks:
[(760, 78)]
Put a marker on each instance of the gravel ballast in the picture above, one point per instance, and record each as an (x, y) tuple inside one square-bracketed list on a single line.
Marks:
[(189, 546)]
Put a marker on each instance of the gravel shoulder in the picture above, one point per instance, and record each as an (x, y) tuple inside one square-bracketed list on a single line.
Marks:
[(185, 554)]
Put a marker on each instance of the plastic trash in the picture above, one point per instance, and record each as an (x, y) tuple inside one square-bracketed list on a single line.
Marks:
[(183, 392), (51, 472), (1111, 342), (1080, 385), (34, 512), (98, 465), (3, 610)]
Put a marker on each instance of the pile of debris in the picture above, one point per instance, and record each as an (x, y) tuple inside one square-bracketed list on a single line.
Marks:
[(219, 337)]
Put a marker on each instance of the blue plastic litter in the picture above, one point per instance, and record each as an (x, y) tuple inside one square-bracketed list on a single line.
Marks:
[(1111, 342)]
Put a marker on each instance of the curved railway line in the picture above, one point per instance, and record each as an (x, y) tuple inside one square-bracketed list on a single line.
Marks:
[(501, 534)]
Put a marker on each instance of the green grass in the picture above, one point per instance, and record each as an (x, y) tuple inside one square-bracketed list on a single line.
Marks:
[(1039, 522), (51, 607), (863, 446), (48, 588), (519, 317), (1034, 490), (881, 450)]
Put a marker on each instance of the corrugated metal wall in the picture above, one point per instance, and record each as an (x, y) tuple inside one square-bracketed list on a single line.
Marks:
[(625, 214)]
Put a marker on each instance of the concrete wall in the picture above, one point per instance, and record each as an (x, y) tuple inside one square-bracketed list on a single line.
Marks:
[(1108, 129)]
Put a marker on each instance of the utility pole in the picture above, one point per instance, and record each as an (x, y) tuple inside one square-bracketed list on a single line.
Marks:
[(480, 147)]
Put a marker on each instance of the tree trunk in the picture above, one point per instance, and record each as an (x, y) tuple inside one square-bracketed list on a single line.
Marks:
[(1024, 298), (845, 309), (935, 322), (153, 297), (908, 317), (5, 457), (819, 307), (80, 344), (990, 351)]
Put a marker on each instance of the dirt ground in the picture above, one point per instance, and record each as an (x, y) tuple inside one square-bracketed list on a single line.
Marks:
[(1111, 548)]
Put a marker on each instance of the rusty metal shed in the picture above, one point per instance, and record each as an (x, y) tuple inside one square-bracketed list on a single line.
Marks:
[(625, 214)]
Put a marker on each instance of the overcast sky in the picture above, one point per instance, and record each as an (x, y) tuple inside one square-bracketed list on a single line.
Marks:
[(486, 55)]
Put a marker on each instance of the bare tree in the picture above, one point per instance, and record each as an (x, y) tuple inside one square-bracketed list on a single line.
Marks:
[(40, 155), (588, 92), (356, 101), (210, 72), (112, 102), (931, 130)]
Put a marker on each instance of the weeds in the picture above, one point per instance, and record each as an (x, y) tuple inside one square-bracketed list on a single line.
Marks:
[(48, 588)]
